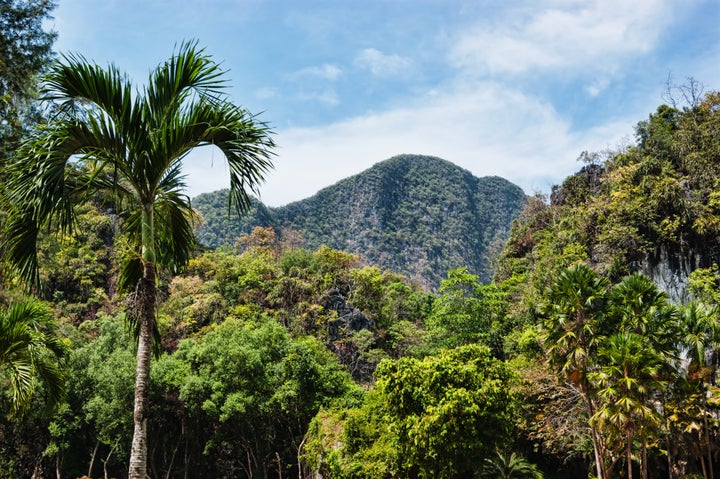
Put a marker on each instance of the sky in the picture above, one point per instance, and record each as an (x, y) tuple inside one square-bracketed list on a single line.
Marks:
[(517, 89)]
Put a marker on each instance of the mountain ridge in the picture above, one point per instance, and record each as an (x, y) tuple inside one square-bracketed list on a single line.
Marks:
[(415, 214)]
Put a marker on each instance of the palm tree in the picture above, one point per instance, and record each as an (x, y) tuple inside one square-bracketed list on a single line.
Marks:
[(637, 305), (32, 353), (109, 139), (511, 466), (701, 335), (701, 338), (573, 319), (631, 372)]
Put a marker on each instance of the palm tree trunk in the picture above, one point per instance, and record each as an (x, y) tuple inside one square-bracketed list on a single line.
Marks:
[(146, 305), (707, 442), (644, 465), (599, 456), (146, 317), (629, 456)]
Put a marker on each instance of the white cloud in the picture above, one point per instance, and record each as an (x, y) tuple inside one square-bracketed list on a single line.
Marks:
[(597, 35), (265, 93), (326, 97), (325, 72), (597, 86), (382, 65)]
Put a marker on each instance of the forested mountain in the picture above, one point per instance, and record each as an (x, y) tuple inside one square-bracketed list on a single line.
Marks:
[(417, 215)]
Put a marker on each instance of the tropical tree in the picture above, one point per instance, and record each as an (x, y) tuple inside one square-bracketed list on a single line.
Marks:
[(108, 138), (631, 372), (512, 466), (25, 49), (32, 353), (447, 410), (638, 361), (637, 305), (467, 312), (573, 320), (701, 338)]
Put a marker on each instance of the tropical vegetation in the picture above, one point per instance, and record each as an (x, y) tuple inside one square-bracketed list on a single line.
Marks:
[(592, 351), (107, 139)]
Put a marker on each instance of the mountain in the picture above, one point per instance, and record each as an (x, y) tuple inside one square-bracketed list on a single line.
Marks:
[(417, 215)]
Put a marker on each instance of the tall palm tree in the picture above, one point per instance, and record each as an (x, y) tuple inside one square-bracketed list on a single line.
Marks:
[(573, 320), (637, 306), (701, 338), (108, 138), (631, 372), (32, 353)]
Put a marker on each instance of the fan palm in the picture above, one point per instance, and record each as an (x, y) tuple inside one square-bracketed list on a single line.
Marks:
[(511, 466), (31, 353), (701, 338), (108, 138), (573, 318), (631, 372), (639, 306), (701, 332)]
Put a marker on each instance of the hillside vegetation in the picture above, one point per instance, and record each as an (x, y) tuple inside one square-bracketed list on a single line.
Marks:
[(417, 215), (653, 207)]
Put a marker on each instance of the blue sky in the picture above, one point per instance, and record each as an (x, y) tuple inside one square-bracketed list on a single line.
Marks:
[(516, 89)]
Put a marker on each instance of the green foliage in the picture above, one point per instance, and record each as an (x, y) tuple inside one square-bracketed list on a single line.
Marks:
[(76, 270), (629, 376), (32, 354), (248, 391), (512, 466), (435, 417), (218, 227), (467, 312), (704, 284), (25, 50)]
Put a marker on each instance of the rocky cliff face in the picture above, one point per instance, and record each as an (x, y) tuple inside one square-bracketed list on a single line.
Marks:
[(670, 270)]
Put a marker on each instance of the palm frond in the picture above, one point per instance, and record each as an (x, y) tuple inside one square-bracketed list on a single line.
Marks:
[(34, 354), (20, 248), (188, 71), (174, 230), (79, 85), (131, 272)]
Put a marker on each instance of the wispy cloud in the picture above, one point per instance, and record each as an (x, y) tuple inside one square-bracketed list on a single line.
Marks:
[(595, 35), (325, 72), (327, 97), (266, 93), (382, 65)]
